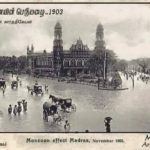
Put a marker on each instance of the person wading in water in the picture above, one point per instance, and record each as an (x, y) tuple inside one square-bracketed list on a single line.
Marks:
[(10, 109), (24, 103), (19, 108), (67, 126), (3, 90), (107, 124), (15, 110)]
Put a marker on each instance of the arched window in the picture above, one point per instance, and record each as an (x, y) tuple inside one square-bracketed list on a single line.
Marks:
[(79, 63), (73, 63), (66, 63), (50, 63), (85, 62)]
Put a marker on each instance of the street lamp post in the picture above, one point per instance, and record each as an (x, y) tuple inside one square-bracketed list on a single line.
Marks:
[(104, 66), (132, 78), (98, 73), (98, 82), (104, 69)]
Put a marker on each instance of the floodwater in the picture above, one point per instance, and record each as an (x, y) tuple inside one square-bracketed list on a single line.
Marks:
[(129, 109)]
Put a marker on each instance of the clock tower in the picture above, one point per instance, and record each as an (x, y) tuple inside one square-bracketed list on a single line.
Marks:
[(58, 50)]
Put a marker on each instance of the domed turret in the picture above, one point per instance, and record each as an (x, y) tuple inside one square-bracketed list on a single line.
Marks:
[(100, 26), (30, 51), (79, 42), (32, 48), (58, 31), (58, 49), (28, 48), (100, 43), (58, 25), (100, 32)]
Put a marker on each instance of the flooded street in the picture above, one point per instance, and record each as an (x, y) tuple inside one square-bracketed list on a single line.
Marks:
[(129, 109)]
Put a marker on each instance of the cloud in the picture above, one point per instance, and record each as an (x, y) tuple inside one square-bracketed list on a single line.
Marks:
[(126, 28)]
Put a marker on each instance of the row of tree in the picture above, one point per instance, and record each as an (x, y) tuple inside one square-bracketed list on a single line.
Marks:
[(106, 60), (13, 63), (140, 64), (96, 64)]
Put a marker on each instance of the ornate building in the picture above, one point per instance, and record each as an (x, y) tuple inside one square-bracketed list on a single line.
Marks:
[(64, 62)]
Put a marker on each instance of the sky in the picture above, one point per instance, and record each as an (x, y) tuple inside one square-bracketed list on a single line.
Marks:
[(126, 28)]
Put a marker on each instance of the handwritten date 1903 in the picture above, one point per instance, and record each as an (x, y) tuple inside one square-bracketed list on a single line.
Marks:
[(55, 11)]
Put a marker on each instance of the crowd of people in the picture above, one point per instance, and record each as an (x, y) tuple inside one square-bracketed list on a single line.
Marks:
[(21, 106), (17, 109), (136, 76)]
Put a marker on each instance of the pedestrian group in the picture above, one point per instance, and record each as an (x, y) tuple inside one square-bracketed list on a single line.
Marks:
[(18, 108)]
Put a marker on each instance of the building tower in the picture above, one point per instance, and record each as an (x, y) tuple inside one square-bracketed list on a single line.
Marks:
[(100, 50), (100, 43), (32, 48), (58, 50), (30, 59)]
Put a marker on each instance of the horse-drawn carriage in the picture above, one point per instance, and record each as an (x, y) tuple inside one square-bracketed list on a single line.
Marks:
[(37, 89), (2, 83), (14, 84), (64, 104), (51, 110)]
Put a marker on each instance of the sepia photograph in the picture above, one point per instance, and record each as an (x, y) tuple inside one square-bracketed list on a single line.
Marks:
[(75, 68)]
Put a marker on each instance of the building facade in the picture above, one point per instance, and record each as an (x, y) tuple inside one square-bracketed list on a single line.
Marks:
[(62, 62)]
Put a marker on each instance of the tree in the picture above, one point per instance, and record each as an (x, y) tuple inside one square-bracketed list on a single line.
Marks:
[(122, 65), (14, 62), (96, 62), (143, 63), (22, 63)]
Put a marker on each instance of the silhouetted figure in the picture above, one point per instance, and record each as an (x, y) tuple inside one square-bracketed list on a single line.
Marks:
[(20, 83), (24, 103), (36, 83), (45, 115), (46, 88), (53, 109), (63, 106), (3, 90), (107, 124), (15, 110), (17, 78), (10, 109), (56, 117), (28, 88), (67, 126), (19, 107)]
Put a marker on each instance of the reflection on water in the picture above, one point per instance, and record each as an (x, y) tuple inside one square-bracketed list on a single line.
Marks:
[(129, 109)]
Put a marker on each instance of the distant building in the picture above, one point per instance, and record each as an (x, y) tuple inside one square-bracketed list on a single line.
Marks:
[(64, 62), (39, 63)]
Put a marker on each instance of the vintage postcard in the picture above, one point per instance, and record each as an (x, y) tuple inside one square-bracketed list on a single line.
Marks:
[(74, 76)]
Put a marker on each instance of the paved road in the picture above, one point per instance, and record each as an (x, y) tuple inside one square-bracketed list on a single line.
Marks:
[(129, 109)]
